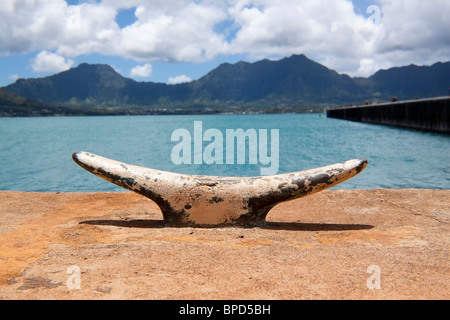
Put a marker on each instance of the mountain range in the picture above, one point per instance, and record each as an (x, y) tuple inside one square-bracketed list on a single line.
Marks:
[(292, 84), (12, 104)]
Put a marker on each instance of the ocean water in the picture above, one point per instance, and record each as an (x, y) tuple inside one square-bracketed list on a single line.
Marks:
[(36, 153)]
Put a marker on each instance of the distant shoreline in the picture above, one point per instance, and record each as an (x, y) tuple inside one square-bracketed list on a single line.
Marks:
[(86, 113)]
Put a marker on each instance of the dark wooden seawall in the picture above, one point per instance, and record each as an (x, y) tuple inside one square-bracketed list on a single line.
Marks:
[(421, 114)]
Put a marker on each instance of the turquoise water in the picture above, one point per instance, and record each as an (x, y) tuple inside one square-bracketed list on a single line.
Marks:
[(35, 153)]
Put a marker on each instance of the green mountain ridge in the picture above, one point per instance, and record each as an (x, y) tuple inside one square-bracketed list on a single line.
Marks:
[(12, 104), (294, 83)]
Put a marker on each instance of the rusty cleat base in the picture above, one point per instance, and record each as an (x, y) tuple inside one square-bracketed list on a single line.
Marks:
[(190, 201)]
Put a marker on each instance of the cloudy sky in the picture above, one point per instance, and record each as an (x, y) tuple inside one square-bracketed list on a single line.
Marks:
[(175, 41)]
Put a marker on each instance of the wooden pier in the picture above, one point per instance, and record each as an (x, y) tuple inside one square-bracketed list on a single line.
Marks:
[(431, 114)]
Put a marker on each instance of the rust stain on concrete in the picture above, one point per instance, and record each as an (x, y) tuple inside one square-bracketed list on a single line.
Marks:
[(29, 239)]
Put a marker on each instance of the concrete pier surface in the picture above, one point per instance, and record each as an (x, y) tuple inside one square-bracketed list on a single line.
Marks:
[(432, 114), (337, 244)]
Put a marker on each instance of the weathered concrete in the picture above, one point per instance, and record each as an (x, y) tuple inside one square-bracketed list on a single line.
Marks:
[(422, 114), (188, 200), (331, 245)]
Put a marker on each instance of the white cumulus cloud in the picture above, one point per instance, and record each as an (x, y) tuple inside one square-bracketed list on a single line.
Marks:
[(13, 77), (181, 31), (143, 71), (179, 79), (328, 31), (50, 62)]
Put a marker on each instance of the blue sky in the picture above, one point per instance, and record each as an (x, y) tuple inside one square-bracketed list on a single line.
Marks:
[(181, 40)]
